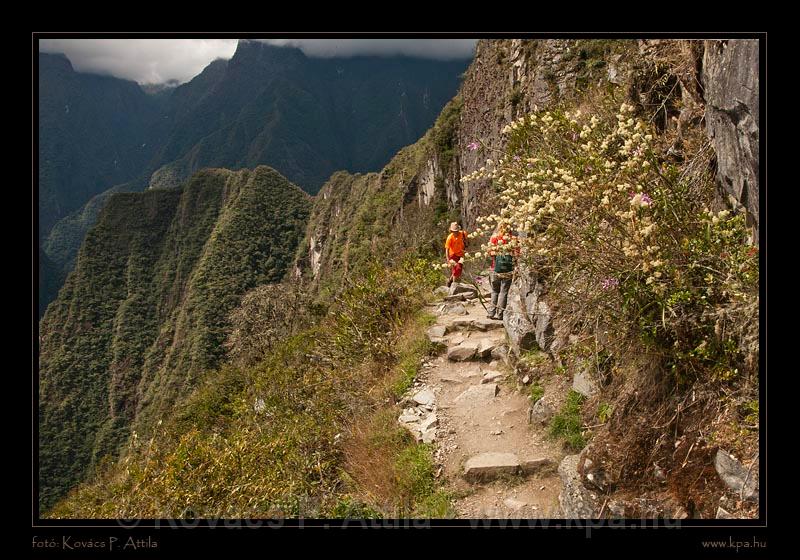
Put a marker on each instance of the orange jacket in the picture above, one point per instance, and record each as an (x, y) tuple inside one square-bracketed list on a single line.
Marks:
[(456, 243)]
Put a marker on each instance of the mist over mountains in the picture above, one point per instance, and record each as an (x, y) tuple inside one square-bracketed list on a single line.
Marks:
[(268, 105)]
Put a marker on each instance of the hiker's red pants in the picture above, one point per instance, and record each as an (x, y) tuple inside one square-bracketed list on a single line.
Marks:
[(456, 269)]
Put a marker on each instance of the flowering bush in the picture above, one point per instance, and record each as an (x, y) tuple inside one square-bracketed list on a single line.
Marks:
[(624, 239)]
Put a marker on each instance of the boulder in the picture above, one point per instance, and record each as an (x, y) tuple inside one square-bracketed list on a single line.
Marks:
[(436, 333), (723, 513), (487, 466), (453, 309), (541, 413), (514, 504), (466, 289), (736, 476), (442, 291), (424, 397), (462, 323), (528, 320), (577, 501), (583, 383), (485, 347), (462, 352), (431, 421)]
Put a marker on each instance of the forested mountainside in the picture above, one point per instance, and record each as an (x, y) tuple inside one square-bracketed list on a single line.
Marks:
[(632, 324), (143, 313), (94, 132), (305, 117)]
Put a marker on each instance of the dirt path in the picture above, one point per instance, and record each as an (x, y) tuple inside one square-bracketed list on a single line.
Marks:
[(493, 461)]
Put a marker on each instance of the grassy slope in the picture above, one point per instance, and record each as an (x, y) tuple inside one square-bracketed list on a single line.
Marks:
[(143, 312)]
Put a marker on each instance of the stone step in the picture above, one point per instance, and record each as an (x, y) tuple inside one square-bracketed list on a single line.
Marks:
[(488, 466), (491, 465), (436, 332), (478, 394), (460, 288), (479, 348), (486, 324), (462, 352), (471, 324), (452, 308)]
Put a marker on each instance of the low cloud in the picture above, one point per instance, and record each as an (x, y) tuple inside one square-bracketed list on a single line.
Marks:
[(154, 61), (441, 49), (147, 61)]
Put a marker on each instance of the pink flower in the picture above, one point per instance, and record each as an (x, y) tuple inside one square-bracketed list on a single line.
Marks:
[(473, 146), (609, 283)]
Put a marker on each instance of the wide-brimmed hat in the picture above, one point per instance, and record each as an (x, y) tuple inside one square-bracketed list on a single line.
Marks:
[(455, 227)]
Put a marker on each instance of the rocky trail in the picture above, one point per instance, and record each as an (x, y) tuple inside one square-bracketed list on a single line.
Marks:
[(469, 404)]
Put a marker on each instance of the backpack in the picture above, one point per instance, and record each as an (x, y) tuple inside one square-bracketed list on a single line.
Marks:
[(503, 263)]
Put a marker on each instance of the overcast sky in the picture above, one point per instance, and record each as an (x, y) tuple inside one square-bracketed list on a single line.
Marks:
[(150, 61)]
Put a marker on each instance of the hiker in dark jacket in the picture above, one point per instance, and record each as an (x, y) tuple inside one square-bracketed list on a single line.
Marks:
[(502, 271)]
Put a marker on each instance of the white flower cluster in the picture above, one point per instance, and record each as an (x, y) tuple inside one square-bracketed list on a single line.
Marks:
[(519, 123), (576, 172)]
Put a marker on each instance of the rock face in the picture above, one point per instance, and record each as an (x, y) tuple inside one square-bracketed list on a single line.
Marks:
[(577, 501), (529, 320), (735, 476), (506, 79), (730, 79)]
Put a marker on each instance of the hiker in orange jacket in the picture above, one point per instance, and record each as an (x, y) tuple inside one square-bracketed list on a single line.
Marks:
[(454, 249)]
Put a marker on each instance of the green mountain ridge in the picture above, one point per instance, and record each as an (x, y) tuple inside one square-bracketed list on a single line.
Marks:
[(143, 313), (305, 117)]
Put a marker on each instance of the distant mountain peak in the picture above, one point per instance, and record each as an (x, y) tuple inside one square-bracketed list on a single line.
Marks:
[(56, 60), (253, 47)]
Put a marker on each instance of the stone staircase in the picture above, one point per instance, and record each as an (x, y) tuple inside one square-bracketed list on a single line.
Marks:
[(490, 456)]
